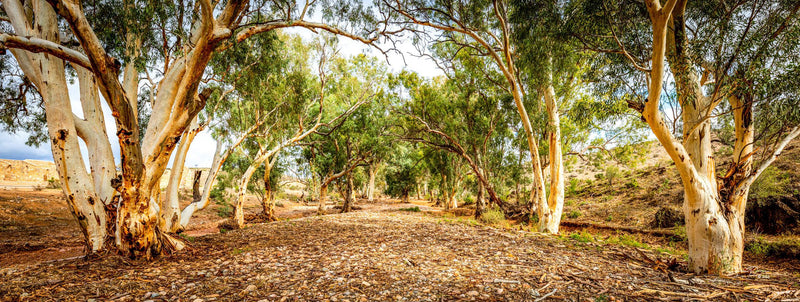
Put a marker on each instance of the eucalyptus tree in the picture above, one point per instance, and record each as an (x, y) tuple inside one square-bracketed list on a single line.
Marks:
[(336, 149), (307, 110), (465, 114), (465, 23), (245, 97), (734, 59), (103, 43), (403, 170)]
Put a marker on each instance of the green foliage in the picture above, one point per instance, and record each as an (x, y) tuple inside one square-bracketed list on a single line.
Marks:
[(187, 237), (573, 214), (53, 183), (411, 209), (468, 200), (632, 184), (627, 240), (612, 173), (573, 187), (772, 182), (492, 216), (584, 237)]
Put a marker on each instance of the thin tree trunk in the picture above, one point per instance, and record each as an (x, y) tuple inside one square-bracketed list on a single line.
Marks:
[(479, 202), (371, 190), (238, 212), (170, 209), (348, 194), (323, 198)]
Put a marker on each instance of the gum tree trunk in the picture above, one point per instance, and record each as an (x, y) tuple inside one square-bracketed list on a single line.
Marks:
[(371, 189), (170, 209), (550, 213), (323, 198), (348, 194), (268, 202), (479, 202)]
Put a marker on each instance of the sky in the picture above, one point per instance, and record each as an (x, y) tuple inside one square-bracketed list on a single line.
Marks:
[(201, 152)]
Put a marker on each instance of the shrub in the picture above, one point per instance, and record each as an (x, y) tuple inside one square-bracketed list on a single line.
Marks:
[(492, 216), (772, 182), (632, 184), (411, 209), (468, 200), (53, 183), (573, 214), (583, 236), (612, 173), (572, 189)]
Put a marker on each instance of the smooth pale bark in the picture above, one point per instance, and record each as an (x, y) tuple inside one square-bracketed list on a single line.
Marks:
[(48, 74), (170, 208), (263, 156), (713, 237), (92, 130), (550, 213), (216, 167)]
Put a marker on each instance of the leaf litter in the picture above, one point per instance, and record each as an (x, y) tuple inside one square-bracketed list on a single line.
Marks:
[(390, 256)]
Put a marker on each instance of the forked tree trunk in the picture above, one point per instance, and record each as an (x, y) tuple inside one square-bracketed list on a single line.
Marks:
[(550, 213), (86, 197), (714, 232), (238, 213), (216, 166)]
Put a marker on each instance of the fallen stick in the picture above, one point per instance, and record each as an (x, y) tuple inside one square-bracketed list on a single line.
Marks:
[(545, 296)]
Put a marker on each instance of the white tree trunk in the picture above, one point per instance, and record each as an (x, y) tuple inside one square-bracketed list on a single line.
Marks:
[(238, 214), (716, 239), (171, 207), (550, 213), (216, 166), (48, 74)]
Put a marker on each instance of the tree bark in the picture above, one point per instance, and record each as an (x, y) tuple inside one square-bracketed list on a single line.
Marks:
[(550, 213), (268, 202), (48, 74), (323, 198), (479, 203), (171, 208), (348, 194), (371, 189)]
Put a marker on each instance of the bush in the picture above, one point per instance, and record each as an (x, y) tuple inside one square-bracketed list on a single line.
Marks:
[(572, 189), (411, 209), (612, 173), (573, 214), (772, 182), (666, 218), (583, 236), (632, 184), (468, 200), (53, 183), (492, 216)]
